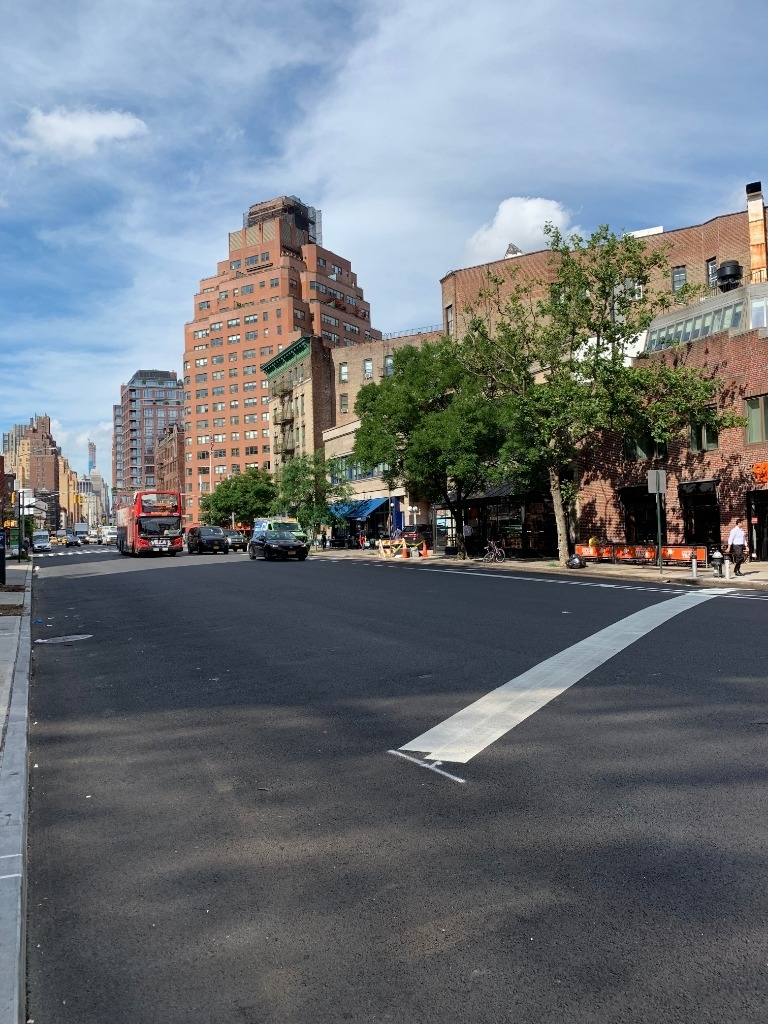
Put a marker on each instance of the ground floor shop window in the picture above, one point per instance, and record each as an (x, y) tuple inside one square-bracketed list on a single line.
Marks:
[(701, 513), (640, 518)]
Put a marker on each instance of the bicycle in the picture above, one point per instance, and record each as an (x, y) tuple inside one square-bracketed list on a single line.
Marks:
[(494, 552)]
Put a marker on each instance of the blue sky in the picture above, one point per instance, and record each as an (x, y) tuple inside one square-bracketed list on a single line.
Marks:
[(429, 132)]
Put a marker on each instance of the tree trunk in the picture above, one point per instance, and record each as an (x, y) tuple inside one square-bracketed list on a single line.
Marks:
[(560, 518)]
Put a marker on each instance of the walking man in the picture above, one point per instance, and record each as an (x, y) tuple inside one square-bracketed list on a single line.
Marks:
[(737, 546)]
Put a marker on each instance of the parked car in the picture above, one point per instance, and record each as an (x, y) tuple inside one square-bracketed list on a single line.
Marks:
[(274, 544), (418, 533), (237, 542), (206, 538)]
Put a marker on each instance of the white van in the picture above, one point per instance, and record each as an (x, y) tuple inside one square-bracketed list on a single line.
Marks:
[(109, 535), (41, 540)]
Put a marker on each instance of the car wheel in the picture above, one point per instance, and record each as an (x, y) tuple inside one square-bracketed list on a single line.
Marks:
[(251, 553), (302, 558)]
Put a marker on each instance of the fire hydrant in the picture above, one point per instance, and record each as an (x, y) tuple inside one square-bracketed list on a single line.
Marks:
[(717, 562)]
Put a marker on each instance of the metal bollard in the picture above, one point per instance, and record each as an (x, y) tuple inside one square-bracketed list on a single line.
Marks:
[(694, 566), (727, 563)]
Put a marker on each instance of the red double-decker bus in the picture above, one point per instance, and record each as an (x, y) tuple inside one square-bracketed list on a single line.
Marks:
[(150, 524)]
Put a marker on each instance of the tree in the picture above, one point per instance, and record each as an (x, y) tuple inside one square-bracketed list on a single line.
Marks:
[(430, 428), (247, 495), (307, 488), (555, 358)]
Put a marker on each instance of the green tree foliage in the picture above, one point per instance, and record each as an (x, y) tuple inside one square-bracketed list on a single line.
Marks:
[(249, 495), (558, 364), (307, 487), (431, 428)]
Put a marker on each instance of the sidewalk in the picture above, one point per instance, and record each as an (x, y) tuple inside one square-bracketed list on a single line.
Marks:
[(15, 609), (755, 573)]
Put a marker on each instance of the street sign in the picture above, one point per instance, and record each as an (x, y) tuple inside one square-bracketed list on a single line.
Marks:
[(657, 481)]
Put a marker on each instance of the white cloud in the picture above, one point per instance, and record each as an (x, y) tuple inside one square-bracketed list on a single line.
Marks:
[(75, 133), (519, 220)]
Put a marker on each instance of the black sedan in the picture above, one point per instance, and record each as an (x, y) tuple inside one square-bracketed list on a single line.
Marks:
[(277, 544), (237, 542)]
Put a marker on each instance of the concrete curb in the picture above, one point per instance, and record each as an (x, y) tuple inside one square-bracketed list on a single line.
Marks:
[(14, 781)]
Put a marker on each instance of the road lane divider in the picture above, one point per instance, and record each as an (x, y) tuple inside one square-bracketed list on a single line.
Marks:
[(464, 735)]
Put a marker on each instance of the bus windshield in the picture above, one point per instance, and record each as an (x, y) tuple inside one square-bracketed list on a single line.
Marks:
[(159, 526)]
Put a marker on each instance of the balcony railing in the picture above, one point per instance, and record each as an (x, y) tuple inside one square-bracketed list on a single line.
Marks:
[(282, 387), (285, 444), (283, 415)]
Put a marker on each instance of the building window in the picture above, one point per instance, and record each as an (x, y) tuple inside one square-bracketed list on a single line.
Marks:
[(247, 289), (252, 318), (703, 437), (251, 261), (368, 369), (204, 305), (343, 372), (757, 419), (234, 265), (711, 267), (679, 278), (389, 365), (274, 282), (449, 319), (343, 403), (636, 449)]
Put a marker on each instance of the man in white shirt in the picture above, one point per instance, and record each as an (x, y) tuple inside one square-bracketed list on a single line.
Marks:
[(737, 546)]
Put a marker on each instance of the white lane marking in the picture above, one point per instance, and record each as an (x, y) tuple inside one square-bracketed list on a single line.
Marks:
[(7, 856), (65, 639), (3, 877), (432, 767), (463, 735)]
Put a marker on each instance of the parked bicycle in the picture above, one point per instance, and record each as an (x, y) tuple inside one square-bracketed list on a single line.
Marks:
[(494, 552)]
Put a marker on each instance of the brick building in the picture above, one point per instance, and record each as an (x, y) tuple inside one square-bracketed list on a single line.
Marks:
[(169, 459), (278, 290), (352, 368), (712, 479)]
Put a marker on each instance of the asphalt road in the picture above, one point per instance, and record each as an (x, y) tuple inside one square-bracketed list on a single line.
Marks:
[(218, 831)]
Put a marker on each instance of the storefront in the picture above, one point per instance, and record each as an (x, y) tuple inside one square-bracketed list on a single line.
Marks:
[(700, 511), (524, 525), (640, 516)]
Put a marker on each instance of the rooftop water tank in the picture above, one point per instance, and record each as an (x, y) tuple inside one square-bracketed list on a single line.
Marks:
[(729, 275)]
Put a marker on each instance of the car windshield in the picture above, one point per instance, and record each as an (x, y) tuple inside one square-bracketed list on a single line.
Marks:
[(283, 535), (232, 533), (211, 531)]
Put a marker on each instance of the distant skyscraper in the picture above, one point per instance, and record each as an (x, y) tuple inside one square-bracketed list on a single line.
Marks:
[(91, 457)]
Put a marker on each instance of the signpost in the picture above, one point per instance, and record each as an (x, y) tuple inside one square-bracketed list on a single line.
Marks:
[(657, 484)]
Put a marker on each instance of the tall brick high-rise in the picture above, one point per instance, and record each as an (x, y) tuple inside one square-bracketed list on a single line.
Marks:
[(277, 285)]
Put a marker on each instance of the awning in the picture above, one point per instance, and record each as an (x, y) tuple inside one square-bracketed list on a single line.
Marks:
[(698, 487), (357, 509)]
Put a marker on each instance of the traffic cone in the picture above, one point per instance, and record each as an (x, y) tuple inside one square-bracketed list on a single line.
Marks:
[(406, 553), (424, 549)]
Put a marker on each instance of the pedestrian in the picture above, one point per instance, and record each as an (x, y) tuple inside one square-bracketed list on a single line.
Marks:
[(737, 546), (323, 539)]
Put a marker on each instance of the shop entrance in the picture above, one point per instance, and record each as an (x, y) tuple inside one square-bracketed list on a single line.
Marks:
[(640, 526), (757, 513), (701, 513)]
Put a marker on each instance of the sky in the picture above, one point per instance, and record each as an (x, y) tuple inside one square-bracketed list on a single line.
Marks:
[(431, 133)]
